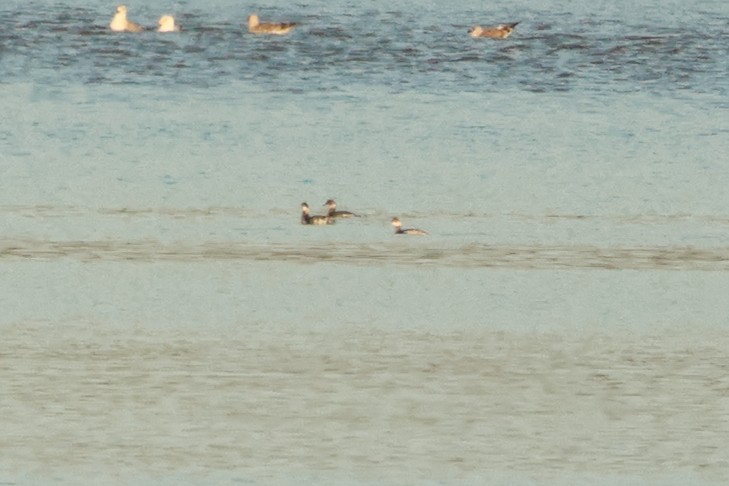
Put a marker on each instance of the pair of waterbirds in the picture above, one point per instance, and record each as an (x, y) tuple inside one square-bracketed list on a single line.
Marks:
[(333, 214)]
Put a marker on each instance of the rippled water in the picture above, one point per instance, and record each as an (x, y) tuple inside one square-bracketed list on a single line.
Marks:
[(560, 46), (166, 318)]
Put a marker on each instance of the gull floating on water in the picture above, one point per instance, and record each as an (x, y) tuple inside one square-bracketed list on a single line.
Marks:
[(256, 27), (120, 23), (167, 24), (409, 231), (501, 31)]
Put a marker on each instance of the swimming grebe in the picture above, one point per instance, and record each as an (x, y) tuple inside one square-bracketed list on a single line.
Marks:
[(501, 31), (333, 213), (167, 24), (307, 218), (256, 27), (120, 23), (408, 231)]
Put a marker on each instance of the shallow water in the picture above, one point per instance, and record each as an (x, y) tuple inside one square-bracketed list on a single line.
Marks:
[(167, 319), (407, 406)]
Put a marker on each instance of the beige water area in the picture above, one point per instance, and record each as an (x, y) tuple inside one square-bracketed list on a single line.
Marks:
[(466, 256), (255, 405)]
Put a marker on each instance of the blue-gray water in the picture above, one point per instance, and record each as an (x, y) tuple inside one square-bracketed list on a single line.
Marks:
[(166, 319)]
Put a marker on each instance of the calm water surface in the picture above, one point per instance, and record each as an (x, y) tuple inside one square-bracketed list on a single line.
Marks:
[(167, 320)]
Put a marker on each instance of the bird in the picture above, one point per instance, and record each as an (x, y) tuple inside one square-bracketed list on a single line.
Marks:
[(167, 24), (333, 213), (408, 231), (307, 218), (120, 23), (501, 31), (256, 27)]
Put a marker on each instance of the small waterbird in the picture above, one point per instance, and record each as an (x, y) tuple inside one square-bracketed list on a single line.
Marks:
[(501, 31), (256, 27), (408, 231), (167, 23), (307, 218), (333, 213), (120, 23)]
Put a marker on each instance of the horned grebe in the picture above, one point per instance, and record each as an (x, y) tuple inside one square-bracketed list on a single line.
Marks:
[(501, 31), (333, 213), (408, 231), (256, 27), (167, 24), (307, 218), (120, 23)]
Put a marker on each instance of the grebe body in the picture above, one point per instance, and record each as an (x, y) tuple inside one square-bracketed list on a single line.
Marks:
[(407, 231), (333, 213), (307, 218)]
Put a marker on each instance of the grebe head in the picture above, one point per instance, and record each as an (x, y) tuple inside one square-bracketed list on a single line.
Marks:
[(121, 9), (475, 31), (330, 203), (305, 207), (396, 223), (253, 20)]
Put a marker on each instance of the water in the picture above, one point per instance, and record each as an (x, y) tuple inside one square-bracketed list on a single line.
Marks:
[(166, 319)]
